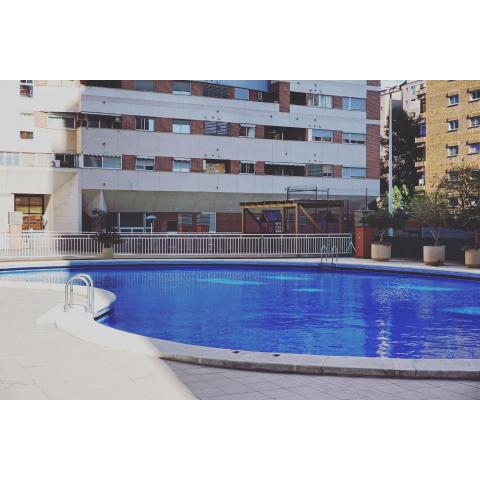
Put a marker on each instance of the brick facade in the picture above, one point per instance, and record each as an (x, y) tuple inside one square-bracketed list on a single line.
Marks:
[(129, 162), (337, 171), (234, 166), (128, 84), (282, 90), (373, 105), (260, 131), (163, 124), (437, 113), (163, 164), (196, 89), (229, 222), (128, 122), (337, 102), (260, 168), (337, 136), (196, 165), (163, 86), (234, 129), (373, 151), (197, 127), (373, 83)]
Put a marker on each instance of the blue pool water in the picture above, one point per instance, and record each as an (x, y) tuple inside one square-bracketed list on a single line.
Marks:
[(313, 311)]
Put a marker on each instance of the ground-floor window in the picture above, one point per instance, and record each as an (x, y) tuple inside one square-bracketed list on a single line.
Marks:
[(33, 209)]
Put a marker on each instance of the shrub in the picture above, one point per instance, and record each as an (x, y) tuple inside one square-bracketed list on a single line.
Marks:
[(432, 210), (382, 220)]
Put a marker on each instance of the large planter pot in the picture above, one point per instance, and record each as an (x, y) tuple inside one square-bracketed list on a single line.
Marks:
[(434, 255), (381, 252), (107, 252), (472, 257)]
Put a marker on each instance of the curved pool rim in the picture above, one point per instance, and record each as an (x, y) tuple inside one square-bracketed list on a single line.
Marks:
[(467, 369)]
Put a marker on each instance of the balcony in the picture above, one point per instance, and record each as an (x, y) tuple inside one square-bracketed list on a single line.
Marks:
[(43, 160)]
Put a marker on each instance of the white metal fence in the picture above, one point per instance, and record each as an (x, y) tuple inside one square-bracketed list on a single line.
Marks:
[(59, 245)]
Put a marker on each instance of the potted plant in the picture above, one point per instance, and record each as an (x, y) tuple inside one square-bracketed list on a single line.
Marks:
[(106, 234), (469, 220), (462, 184), (382, 220), (432, 210)]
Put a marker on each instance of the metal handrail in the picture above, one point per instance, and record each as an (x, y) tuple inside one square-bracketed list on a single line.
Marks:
[(323, 251), (87, 280), (334, 251)]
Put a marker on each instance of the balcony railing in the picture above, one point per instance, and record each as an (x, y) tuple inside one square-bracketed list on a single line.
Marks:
[(26, 159), (78, 245)]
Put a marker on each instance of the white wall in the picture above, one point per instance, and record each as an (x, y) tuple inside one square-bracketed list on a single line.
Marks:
[(132, 142), (127, 180)]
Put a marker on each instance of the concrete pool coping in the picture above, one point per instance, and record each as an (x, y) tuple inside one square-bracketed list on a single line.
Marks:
[(84, 326)]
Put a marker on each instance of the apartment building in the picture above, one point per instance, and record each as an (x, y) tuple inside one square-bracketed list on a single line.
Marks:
[(180, 155), (452, 126), (406, 96)]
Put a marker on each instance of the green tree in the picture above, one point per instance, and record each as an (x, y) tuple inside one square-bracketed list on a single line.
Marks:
[(404, 154), (432, 210)]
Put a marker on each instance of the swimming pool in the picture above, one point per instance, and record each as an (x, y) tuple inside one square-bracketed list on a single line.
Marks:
[(290, 310)]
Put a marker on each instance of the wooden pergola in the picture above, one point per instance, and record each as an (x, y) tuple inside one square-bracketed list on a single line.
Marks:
[(285, 207)]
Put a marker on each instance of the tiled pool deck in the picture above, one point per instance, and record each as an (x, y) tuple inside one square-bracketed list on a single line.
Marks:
[(40, 361)]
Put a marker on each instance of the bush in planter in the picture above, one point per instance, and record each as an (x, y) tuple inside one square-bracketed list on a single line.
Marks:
[(382, 220), (468, 219), (433, 211), (106, 234)]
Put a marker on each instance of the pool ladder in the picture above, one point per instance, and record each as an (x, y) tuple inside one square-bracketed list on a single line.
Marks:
[(325, 254), (88, 282)]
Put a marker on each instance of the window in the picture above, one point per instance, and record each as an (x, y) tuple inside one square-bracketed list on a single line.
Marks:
[(145, 124), (216, 91), (26, 88), (145, 163), (216, 128), (112, 162), (422, 129), (474, 148), (33, 208), (181, 88), (475, 95), (452, 151), (413, 89), (241, 94), (452, 176), (316, 100), (351, 103), (57, 120), (65, 160), (352, 172), (353, 138), (315, 170), (247, 130), (247, 167), (453, 99), (322, 136), (25, 135), (145, 85), (475, 121), (102, 161), (181, 126), (215, 166), (181, 165), (452, 125), (102, 121), (284, 170)]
